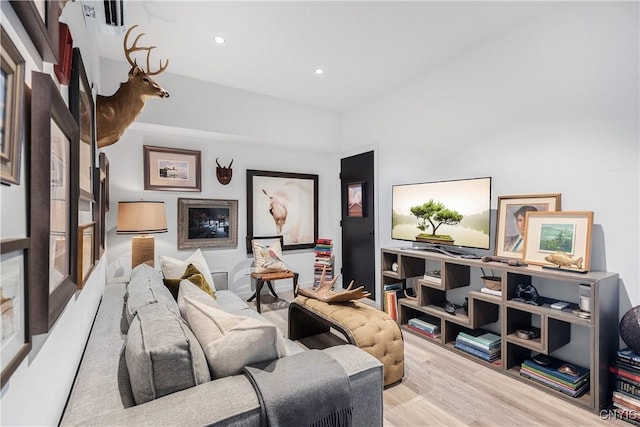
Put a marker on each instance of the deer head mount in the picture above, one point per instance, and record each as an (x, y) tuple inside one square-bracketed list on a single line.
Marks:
[(224, 173), (115, 113)]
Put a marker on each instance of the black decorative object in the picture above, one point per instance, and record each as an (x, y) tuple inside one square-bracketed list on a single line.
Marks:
[(450, 308), (527, 294), (630, 328), (465, 305)]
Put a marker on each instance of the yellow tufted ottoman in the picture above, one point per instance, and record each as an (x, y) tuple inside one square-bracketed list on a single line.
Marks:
[(364, 326)]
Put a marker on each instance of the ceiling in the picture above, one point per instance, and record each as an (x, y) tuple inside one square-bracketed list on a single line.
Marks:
[(365, 47)]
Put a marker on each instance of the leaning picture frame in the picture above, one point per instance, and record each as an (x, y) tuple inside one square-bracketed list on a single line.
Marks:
[(354, 199), (559, 239), (86, 248), (283, 203), (53, 203), (171, 169), (11, 110), (207, 223), (42, 26), (15, 342), (510, 222)]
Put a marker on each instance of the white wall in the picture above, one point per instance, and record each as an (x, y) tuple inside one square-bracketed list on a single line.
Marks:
[(551, 106)]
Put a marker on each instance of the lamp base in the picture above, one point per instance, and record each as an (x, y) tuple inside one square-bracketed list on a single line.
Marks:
[(142, 251)]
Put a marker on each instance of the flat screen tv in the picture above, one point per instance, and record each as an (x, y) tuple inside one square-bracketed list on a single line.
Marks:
[(443, 214)]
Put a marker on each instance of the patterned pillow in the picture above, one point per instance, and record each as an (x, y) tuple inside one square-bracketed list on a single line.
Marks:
[(194, 276), (268, 258)]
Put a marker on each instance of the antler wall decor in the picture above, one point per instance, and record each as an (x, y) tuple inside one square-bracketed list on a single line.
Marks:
[(325, 293), (115, 113), (224, 173)]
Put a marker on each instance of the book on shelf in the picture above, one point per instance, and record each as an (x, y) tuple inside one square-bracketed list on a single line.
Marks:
[(626, 400), (324, 241), (628, 367), (568, 391), (554, 379), (424, 324), (552, 369), (423, 332), (474, 344), (432, 276), (391, 304), (482, 337), (475, 352), (626, 385), (491, 292), (624, 373), (392, 286), (629, 356), (491, 352)]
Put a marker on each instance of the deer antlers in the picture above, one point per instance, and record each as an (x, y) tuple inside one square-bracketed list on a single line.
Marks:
[(324, 292), (134, 48)]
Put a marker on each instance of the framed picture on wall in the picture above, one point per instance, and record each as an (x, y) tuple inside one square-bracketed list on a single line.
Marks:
[(283, 203), (40, 19), (53, 203), (207, 223), (86, 247), (171, 169), (355, 199)]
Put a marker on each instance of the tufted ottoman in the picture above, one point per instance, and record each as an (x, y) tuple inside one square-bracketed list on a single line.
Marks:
[(364, 326)]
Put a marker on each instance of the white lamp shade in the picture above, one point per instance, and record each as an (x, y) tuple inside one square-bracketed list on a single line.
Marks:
[(141, 217)]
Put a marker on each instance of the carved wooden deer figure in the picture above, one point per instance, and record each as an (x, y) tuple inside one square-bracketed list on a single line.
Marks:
[(116, 112)]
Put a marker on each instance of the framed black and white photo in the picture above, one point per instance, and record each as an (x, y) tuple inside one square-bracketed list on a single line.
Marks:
[(207, 223), (171, 169), (283, 203)]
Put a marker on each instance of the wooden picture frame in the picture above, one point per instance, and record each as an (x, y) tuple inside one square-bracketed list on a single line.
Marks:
[(101, 183), (548, 233), (86, 252), (43, 30), (15, 342), (354, 199), (83, 110), (511, 220), (207, 223), (62, 69), (11, 110), (283, 203), (53, 203), (171, 169)]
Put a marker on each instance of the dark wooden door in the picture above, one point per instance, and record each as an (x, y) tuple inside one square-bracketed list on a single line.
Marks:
[(358, 219)]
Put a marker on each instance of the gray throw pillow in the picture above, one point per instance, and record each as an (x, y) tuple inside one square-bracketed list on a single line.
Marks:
[(162, 354)]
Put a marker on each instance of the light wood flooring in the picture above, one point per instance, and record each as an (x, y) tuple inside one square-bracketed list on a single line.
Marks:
[(441, 388)]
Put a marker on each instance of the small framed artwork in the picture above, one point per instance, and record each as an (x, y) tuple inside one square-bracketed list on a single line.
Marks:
[(15, 342), (62, 69), (171, 169), (53, 203), (511, 220), (207, 223), (283, 203), (559, 239), (86, 248), (11, 111), (355, 199), (40, 19), (82, 109)]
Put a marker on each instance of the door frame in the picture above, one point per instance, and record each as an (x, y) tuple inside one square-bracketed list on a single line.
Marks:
[(376, 223)]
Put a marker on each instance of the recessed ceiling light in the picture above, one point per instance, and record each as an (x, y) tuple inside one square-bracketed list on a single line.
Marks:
[(318, 71), (219, 39)]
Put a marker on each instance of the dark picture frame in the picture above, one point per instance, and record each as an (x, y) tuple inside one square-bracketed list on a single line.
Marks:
[(53, 196), (12, 110), (43, 31), (82, 108), (14, 297), (355, 199), (171, 169), (62, 69), (101, 186), (269, 192), (207, 223), (86, 251)]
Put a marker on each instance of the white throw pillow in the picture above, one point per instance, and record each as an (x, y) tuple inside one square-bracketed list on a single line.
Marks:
[(173, 268), (232, 342), (268, 258)]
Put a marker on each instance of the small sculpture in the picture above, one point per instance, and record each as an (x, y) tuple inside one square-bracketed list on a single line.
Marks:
[(563, 259), (325, 293), (223, 173)]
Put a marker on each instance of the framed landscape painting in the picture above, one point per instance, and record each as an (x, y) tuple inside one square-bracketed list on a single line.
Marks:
[(207, 223), (171, 169)]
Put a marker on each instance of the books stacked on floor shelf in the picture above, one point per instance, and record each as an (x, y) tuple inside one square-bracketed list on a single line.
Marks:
[(479, 343), (424, 327), (626, 396), (433, 276), (323, 259), (557, 374)]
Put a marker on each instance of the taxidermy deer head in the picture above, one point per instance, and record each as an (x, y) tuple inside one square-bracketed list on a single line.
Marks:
[(115, 113), (224, 173)]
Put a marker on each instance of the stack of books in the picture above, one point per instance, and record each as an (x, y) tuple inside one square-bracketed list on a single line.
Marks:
[(391, 291), (433, 276), (490, 291), (323, 259), (626, 396), (479, 343), (556, 374), (424, 327)]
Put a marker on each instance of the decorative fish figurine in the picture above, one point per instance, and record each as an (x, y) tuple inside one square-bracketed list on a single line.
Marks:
[(563, 259)]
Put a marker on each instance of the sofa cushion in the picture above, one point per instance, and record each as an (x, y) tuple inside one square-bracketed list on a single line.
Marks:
[(145, 288), (190, 290), (231, 342), (193, 275), (162, 354), (173, 268), (268, 258)]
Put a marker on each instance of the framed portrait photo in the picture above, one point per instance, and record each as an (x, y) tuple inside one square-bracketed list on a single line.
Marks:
[(559, 239), (354, 199), (207, 223), (171, 169), (282, 203), (511, 220)]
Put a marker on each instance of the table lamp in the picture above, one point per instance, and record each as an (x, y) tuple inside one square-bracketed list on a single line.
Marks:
[(144, 218)]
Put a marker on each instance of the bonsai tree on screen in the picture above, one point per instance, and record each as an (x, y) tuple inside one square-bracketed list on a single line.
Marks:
[(432, 215)]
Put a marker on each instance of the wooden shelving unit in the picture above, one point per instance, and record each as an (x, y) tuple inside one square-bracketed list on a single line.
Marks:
[(594, 338)]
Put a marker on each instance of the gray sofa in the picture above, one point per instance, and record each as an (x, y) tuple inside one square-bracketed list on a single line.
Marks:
[(102, 391)]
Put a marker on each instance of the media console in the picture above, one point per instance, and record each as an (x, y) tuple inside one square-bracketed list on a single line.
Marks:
[(590, 342)]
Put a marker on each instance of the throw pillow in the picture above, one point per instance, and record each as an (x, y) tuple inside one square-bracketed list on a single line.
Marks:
[(194, 276), (268, 258), (162, 354), (188, 290), (173, 268), (231, 342)]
